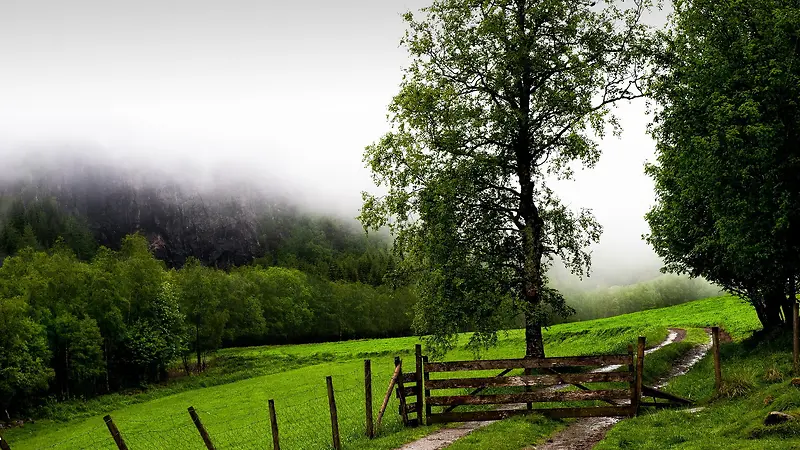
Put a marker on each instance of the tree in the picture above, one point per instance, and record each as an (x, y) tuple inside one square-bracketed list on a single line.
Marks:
[(727, 186), (24, 371), (499, 98), (204, 317)]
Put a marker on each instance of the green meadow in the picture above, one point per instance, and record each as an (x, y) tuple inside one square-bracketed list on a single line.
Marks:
[(231, 398)]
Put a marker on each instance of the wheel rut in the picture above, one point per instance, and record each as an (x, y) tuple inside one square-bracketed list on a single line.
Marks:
[(582, 434), (585, 433)]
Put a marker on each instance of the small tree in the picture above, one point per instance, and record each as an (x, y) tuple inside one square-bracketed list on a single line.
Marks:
[(24, 356), (205, 319), (499, 97)]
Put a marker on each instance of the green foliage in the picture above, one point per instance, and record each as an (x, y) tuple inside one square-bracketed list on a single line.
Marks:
[(200, 302), (242, 379), (39, 224), (23, 353), (324, 247), (498, 97), (72, 328), (733, 419), (727, 133), (667, 290)]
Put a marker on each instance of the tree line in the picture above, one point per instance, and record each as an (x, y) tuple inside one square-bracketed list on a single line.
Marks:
[(666, 290), (70, 327)]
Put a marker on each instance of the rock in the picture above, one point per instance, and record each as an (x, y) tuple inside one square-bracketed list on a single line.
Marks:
[(776, 417)]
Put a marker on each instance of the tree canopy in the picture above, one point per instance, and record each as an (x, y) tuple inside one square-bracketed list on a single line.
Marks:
[(72, 328), (499, 98), (728, 172)]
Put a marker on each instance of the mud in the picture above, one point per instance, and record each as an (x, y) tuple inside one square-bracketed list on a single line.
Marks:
[(585, 433), (582, 434)]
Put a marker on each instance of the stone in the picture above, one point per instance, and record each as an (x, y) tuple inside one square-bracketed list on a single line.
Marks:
[(776, 417)]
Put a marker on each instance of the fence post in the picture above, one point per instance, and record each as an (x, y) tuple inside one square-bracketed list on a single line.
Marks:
[(273, 421), (337, 444), (639, 372), (388, 396), (4, 444), (368, 397), (401, 390), (717, 368), (420, 385), (427, 376), (201, 428), (632, 370), (115, 433)]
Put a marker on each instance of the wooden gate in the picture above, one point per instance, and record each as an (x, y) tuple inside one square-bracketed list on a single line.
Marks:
[(540, 382)]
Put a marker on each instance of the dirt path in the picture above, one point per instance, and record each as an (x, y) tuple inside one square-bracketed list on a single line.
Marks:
[(590, 430), (584, 434)]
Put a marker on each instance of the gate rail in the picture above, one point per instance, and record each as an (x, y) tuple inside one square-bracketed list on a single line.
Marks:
[(547, 387)]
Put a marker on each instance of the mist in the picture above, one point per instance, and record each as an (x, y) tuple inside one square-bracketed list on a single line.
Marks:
[(279, 97)]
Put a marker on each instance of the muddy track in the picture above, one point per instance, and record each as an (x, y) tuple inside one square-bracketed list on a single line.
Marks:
[(586, 431)]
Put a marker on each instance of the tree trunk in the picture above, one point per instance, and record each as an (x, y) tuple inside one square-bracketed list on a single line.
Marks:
[(534, 343), (197, 347), (532, 225)]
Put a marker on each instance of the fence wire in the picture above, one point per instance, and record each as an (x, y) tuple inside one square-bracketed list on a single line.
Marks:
[(97, 437), (302, 411)]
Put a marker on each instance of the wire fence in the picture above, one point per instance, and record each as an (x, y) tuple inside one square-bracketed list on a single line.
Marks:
[(303, 414), (96, 438)]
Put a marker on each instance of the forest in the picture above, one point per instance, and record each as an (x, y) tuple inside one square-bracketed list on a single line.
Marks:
[(80, 319)]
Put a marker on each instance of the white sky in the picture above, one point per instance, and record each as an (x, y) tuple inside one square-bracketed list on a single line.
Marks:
[(292, 91)]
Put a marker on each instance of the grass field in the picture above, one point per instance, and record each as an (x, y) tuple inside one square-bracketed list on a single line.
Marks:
[(232, 398)]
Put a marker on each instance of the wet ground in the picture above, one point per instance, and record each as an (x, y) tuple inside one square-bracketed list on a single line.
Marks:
[(584, 433)]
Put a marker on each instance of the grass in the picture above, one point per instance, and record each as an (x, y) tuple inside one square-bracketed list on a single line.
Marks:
[(756, 380), (511, 434), (231, 399)]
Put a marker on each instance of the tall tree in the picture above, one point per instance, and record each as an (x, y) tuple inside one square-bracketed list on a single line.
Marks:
[(727, 141), (499, 97)]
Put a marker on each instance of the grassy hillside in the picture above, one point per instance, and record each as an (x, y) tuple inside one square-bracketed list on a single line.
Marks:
[(236, 414), (756, 373)]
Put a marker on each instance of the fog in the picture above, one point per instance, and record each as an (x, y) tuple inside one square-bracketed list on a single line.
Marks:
[(282, 94)]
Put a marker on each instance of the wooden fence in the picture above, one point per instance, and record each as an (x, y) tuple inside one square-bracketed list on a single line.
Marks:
[(416, 390)]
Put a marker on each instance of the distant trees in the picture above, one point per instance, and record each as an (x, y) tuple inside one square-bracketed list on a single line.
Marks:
[(79, 328), (666, 290), (728, 143), (498, 97), (319, 246), (39, 224)]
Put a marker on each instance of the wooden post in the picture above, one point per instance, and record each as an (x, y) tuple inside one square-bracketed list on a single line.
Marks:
[(273, 420), (388, 395), (639, 372), (717, 368), (115, 433), (337, 444), (201, 428), (420, 384), (632, 370), (4, 444), (528, 405), (401, 388), (427, 376), (368, 397), (796, 336)]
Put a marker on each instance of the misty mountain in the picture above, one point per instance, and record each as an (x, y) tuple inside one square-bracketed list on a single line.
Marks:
[(223, 223)]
